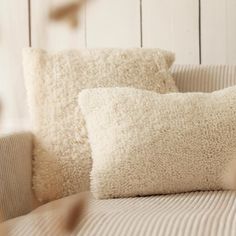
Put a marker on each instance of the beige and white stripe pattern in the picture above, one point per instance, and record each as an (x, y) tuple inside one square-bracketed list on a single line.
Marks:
[(204, 78), (195, 214), (213, 213), (15, 175)]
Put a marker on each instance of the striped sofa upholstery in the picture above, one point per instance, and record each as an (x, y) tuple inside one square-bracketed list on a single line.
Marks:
[(16, 196), (199, 213), (204, 78), (187, 214)]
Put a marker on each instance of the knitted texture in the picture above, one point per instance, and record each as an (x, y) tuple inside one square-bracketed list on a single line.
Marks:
[(62, 159), (145, 143)]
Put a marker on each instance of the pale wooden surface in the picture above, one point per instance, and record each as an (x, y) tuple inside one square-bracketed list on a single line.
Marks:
[(104, 23), (13, 37), (218, 31), (172, 25), (168, 24), (113, 23)]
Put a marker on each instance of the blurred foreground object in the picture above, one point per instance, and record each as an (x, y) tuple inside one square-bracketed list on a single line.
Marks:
[(67, 12), (75, 212), (66, 212)]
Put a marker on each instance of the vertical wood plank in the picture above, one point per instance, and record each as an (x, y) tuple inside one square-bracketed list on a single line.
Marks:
[(14, 35), (218, 31), (113, 23), (172, 25), (54, 36)]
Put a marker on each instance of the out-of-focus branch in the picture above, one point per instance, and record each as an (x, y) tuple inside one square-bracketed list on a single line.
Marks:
[(68, 12), (75, 212)]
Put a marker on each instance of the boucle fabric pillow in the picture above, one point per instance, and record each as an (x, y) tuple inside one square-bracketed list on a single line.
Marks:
[(62, 159), (146, 143)]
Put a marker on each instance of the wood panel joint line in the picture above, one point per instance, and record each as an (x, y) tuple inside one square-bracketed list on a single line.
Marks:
[(29, 22), (85, 25), (141, 22), (200, 31)]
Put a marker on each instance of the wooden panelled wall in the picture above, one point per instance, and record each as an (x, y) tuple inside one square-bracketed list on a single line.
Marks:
[(169, 24), (14, 35), (198, 31)]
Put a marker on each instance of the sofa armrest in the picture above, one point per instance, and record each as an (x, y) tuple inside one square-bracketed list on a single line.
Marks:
[(16, 197)]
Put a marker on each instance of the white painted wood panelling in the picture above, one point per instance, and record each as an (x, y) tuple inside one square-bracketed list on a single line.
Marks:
[(176, 25), (54, 36), (172, 25), (113, 23), (218, 23), (14, 35)]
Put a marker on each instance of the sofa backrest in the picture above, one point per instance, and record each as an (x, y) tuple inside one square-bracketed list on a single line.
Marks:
[(204, 78)]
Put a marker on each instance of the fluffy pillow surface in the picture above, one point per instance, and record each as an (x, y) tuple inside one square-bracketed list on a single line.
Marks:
[(146, 143), (62, 157)]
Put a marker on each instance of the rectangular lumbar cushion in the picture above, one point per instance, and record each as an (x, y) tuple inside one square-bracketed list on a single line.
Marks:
[(62, 159), (146, 143)]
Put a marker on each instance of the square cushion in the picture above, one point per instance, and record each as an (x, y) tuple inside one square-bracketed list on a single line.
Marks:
[(62, 159)]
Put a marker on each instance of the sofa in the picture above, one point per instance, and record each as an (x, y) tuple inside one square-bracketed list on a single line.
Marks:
[(193, 213)]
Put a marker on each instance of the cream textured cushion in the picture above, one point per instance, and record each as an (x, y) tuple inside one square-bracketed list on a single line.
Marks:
[(146, 143), (62, 160)]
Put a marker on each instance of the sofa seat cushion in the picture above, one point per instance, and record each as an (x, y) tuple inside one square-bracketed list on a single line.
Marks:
[(195, 213)]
